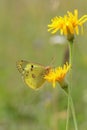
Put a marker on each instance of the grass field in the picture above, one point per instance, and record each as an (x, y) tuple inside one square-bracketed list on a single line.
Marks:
[(23, 35)]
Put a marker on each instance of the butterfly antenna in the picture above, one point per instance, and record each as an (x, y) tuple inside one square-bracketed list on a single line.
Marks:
[(52, 61)]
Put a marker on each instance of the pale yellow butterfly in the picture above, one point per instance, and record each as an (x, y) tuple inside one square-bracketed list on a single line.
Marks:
[(32, 73)]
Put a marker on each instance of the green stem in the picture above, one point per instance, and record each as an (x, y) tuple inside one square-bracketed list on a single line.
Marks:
[(68, 113), (70, 52), (69, 87), (70, 102), (73, 113)]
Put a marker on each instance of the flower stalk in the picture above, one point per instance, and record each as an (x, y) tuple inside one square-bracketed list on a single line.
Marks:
[(70, 101), (69, 25)]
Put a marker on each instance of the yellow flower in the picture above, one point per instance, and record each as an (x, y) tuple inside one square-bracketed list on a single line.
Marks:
[(69, 24), (57, 74)]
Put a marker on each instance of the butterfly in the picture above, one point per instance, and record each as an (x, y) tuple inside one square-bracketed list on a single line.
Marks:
[(32, 73)]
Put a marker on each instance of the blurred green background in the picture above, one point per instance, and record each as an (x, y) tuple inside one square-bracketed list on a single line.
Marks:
[(23, 35)]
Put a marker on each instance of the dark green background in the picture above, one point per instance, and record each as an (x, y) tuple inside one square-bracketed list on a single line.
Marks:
[(23, 35)]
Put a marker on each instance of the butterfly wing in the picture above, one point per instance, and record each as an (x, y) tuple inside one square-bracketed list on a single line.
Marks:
[(32, 73)]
